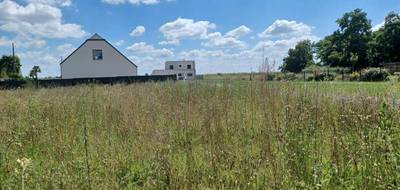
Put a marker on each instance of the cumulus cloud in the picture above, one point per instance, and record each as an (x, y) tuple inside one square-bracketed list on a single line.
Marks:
[(218, 40), (201, 54), (134, 2), (276, 44), (378, 26), (170, 42), (65, 49), (23, 42), (239, 32), (286, 28), (47, 61), (142, 48), (119, 43), (138, 31), (230, 40), (62, 3), (182, 28), (36, 19)]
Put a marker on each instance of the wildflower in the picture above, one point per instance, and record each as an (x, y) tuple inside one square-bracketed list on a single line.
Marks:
[(24, 163)]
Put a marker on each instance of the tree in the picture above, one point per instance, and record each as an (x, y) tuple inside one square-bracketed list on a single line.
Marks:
[(11, 66), (349, 45), (355, 30), (299, 57), (330, 51), (375, 52), (34, 72), (388, 39)]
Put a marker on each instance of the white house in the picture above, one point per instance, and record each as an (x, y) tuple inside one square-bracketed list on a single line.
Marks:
[(95, 58), (184, 70)]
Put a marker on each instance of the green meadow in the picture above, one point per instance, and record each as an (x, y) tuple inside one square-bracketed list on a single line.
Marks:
[(224, 134)]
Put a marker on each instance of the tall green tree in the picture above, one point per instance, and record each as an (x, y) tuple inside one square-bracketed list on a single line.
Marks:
[(330, 51), (349, 45), (388, 39), (355, 29), (299, 57), (375, 52), (11, 66)]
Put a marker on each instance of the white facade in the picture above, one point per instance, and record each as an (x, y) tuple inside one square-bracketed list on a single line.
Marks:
[(184, 70), (97, 58)]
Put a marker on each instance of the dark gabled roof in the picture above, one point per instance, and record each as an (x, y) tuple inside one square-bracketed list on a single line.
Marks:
[(97, 37)]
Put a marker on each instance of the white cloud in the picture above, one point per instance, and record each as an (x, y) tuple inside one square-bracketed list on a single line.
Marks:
[(119, 43), (170, 42), (138, 31), (65, 50), (142, 48), (183, 28), (23, 42), (378, 26), (201, 54), (230, 40), (134, 2), (47, 58), (217, 40), (286, 28), (62, 3), (49, 63), (40, 20), (239, 32), (246, 59)]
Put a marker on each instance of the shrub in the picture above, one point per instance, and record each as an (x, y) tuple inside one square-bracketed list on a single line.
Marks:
[(310, 78), (324, 77), (375, 74), (354, 76), (289, 76), (270, 77)]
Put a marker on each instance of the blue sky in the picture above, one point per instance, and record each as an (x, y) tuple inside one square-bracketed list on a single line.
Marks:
[(221, 35)]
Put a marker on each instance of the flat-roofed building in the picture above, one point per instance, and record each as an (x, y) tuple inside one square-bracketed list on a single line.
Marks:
[(184, 70)]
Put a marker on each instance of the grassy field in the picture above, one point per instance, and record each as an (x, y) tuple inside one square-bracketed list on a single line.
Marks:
[(202, 135)]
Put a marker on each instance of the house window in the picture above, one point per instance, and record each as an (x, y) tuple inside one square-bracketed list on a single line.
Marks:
[(190, 74), (189, 66), (171, 67), (97, 54)]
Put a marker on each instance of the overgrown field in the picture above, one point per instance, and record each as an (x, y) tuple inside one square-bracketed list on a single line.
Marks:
[(202, 135)]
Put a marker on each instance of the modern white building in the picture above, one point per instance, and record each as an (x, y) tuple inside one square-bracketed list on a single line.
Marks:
[(184, 70), (96, 58)]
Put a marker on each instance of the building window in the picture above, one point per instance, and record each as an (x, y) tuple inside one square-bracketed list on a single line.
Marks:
[(180, 66), (190, 74), (97, 54), (171, 67), (180, 74), (189, 66)]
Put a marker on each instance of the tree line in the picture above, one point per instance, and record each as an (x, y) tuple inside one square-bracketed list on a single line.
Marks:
[(10, 67), (353, 45)]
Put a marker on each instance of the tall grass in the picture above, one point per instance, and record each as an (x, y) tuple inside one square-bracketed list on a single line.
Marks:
[(225, 135)]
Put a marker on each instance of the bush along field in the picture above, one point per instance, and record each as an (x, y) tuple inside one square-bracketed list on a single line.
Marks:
[(202, 135), (312, 74)]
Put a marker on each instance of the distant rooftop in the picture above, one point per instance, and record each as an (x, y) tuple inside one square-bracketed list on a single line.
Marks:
[(180, 61), (96, 37)]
